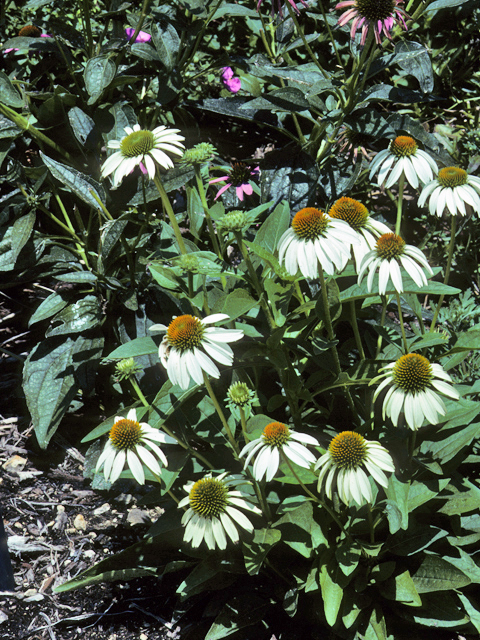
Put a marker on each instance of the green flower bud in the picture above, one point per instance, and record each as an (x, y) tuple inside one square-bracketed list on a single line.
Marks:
[(126, 368), (199, 154)]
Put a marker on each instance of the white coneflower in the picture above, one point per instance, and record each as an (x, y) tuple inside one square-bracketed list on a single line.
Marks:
[(182, 350), (348, 460), (142, 148), (454, 189), (403, 156), (277, 438), (213, 512), (135, 443), (389, 254), (413, 382), (315, 240), (355, 214)]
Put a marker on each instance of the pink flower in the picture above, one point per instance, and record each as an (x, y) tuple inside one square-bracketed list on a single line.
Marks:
[(379, 14), (279, 6), (239, 178), (141, 37), (231, 82)]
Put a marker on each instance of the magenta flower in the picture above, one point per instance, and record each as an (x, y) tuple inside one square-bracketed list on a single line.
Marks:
[(379, 14), (231, 82), (279, 6), (238, 177), (141, 37)]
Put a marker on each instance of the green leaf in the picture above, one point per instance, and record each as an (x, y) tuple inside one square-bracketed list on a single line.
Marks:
[(111, 234), (397, 504), (238, 303), (412, 542), (369, 122), (437, 574), (289, 99), (145, 51), (255, 551), (80, 316), (335, 306), (445, 4), (99, 73), (136, 347), (49, 386), (461, 499), (274, 227), (402, 589), (299, 530), (80, 277), (22, 230), (166, 42), (348, 554), (466, 564), (8, 94), (439, 610), (230, 9), (332, 592), (413, 58), (359, 292), (238, 613), (472, 611), (446, 442), (48, 308), (165, 277), (79, 183), (83, 127)]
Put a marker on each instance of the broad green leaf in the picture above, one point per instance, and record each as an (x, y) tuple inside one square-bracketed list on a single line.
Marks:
[(449, 442), (230, 9), (332, 594), (412, 542), (279, 298), (348, 555), (48, 308), (136, 347), (299, 529), (255, 551), (472, 611), (83, 127), (292, 179), (437, 574), (444, 4), (164, 277), (274, 227), (288, 99), (145, 51), (75, 318), (8, 94), (466, 564), (377, 628), (413, 58), (111, 234), (369, 122), (22, 230), (211, 574), (79, 183), (49, 386), (80, 277), (402, 589), (461, 499), (238, 613), (167, 43), (397, 504), (439, 610), (99, 73), (360, 292), (238, 303)]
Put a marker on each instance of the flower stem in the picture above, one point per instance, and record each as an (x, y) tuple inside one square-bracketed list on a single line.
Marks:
[(370, 524), (220, 413), (211, 230), (401, 186), (354, 323), (23, 123), (168, 208), (382, 323), (402, 325), (256, 283), (451, 247), (138, 391)]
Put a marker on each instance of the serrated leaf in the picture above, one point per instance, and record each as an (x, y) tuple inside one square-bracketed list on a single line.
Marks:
[(238, 303), (48, 308), (8, 94), (255, 551), (437, 574), (99, 73), (413, 58), (75, 318), (167, 43), (75, 181), (48, 387), (82, 126), (134, 348), (22, 230)]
